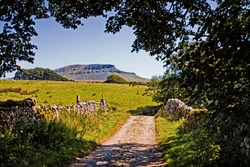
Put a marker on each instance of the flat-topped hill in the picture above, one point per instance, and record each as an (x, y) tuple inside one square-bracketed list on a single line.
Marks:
[(96, 72)]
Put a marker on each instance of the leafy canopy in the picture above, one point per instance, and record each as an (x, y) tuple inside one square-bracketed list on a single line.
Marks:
[(17, 21), (208, 45)]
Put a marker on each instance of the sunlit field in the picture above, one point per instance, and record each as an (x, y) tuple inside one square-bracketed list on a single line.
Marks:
[(64, 93)]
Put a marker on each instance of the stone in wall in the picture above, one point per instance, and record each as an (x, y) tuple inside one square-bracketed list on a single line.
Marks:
[(15, 113), (177, 107)]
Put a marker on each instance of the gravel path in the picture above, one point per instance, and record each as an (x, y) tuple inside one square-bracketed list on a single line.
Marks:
[(133, 145)]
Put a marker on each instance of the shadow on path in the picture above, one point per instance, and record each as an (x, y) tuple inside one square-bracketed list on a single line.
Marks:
[(133, 145), (148, 110), (130, 155)]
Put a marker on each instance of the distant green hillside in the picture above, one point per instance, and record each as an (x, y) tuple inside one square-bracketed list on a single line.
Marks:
[(96, 72), (38, 74)]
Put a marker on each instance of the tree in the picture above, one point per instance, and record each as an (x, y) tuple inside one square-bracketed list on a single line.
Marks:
[(208, 47), (165, 87), (38, 74), (17, 20), (163, 28), (158, 25), (115, 79), (152, 89), (17, 23)]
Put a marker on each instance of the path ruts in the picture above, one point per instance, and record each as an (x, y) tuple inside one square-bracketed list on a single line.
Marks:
[(132, 146)]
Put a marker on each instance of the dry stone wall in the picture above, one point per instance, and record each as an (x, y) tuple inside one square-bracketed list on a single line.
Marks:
[(197, 117), (15, 113)]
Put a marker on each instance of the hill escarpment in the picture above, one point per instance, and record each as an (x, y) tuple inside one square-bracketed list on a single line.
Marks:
[(96, 72)]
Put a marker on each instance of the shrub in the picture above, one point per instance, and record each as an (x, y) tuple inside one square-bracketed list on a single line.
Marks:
[(197, 118), (115, 79)]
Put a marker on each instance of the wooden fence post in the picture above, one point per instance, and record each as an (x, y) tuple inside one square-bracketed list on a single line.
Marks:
[(103, 103), (77, 98)]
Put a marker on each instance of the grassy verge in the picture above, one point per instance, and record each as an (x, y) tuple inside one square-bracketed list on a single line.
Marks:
[(105, 126), (56, 142), (182, 145)]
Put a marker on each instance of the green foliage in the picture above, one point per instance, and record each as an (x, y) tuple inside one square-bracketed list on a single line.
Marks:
[(183, 145), (214, 70), (165, 87), (230, 132), (38, 74), (18, 25), (153, 84), (172, 26), (136, 83), (198, 118), (31, 145), (46, 114), (17, 30), (56, 142), (115, 79)]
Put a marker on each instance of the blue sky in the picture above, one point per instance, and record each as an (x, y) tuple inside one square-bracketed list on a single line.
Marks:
[(58, 47)]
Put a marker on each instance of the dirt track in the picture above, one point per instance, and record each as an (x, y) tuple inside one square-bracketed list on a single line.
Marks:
[(133, 145)]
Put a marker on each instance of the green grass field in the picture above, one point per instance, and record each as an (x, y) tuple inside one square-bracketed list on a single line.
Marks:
[(64, 93)]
